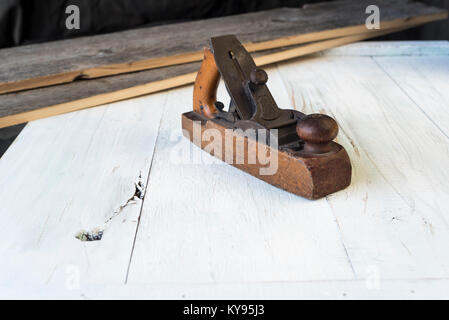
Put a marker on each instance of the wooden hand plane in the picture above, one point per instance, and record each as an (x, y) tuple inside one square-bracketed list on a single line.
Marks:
[(308, 162)]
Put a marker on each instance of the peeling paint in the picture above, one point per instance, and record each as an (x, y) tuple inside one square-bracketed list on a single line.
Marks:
[(93, 235), (97, 233)]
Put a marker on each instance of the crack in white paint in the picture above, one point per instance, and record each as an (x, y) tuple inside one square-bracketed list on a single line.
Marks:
[(97, 233)]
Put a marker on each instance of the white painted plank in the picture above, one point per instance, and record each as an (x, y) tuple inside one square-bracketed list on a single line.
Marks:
[(341, 290), (426, 81), (394, 217), (214, 223), (211, 231), (69, 173), (389, 48)]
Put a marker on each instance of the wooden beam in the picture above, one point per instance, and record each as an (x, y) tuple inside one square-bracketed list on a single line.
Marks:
[(143, 49), (177, 81)]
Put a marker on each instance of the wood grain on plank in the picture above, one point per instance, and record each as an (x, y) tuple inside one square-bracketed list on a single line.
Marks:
[(68, 174), (435, 289), (388, 230), (426, 82), (393, 218), (244, 230), (391, 223), (98, 56), (39, 103)]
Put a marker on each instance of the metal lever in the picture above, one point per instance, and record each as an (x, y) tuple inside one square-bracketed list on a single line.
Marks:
[(246, 84)]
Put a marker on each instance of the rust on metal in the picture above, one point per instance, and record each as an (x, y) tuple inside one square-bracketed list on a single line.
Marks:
[(309, 162)]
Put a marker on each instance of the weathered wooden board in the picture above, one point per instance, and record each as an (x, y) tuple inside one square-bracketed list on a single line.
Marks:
[(390, 223), (243, 229), (395, 221), (20, 102), (425, 81), (434, 289), (384, 237), (73, 173), (91, 57), (16, 108)]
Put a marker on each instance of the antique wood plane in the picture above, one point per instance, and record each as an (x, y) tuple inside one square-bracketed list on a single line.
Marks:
[(306, 160)]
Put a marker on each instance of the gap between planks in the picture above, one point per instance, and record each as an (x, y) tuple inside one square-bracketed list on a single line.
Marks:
[(143, 200), (401, 250), (432, 119), (333, 199)]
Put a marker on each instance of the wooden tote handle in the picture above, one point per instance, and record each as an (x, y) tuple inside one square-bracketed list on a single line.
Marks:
[(206, 84)]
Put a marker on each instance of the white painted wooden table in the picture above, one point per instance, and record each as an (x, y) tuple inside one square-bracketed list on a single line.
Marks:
[(386, 236)]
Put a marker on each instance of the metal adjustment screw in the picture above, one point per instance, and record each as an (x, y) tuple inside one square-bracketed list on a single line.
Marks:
[(317, 131), (219, 105), (258, 76)]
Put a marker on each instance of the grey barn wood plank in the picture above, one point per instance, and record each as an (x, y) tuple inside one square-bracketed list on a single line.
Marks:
[(89, 57), (18, 102), (30, 105)]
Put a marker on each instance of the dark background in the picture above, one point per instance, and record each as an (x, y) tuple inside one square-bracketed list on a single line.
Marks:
[(31, 21)]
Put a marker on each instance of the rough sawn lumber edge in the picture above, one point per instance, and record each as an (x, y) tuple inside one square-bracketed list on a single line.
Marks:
[(146, 64), (177, 81)]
